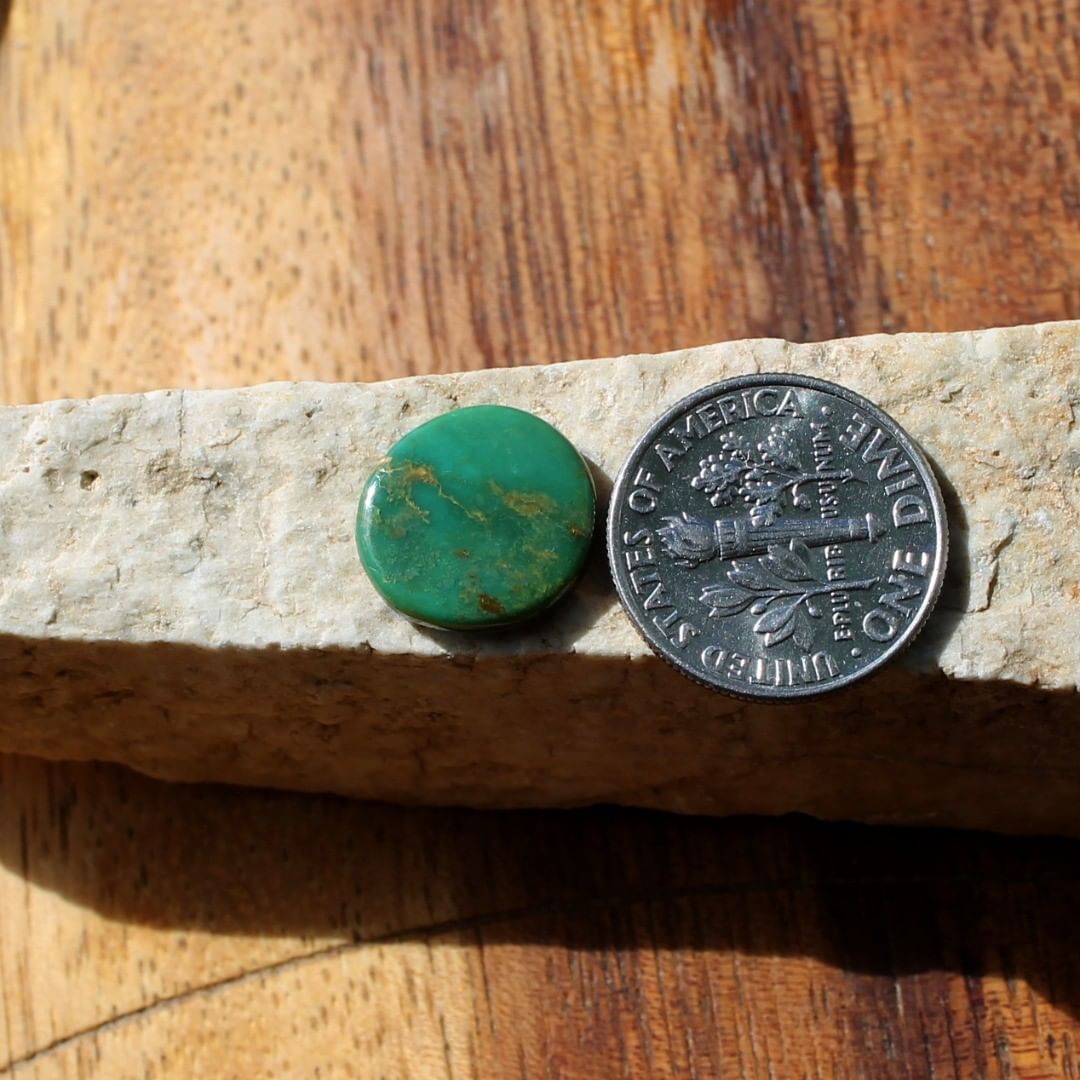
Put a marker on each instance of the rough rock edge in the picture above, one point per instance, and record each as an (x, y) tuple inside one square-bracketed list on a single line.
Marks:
[(179, 592)]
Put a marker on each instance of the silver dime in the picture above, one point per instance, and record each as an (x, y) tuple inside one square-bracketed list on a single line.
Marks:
[(777, 536)]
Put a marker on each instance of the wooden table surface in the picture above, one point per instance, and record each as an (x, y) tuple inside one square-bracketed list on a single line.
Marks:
[(216, 193)]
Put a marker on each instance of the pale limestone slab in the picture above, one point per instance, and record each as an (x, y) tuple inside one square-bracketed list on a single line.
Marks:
[(180, 591)]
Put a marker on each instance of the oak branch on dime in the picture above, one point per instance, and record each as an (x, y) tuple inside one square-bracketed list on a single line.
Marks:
[(781, 589), (760, 479)]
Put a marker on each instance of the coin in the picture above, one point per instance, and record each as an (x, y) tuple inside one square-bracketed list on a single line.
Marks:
[(777, 536)]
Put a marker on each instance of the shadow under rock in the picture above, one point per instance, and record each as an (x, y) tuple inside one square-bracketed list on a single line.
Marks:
[(883, 901)]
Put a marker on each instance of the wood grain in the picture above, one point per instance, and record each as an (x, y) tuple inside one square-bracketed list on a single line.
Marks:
[(208, 194), (198, 931)]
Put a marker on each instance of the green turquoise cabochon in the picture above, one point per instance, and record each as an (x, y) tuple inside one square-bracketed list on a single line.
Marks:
[(481, 517)]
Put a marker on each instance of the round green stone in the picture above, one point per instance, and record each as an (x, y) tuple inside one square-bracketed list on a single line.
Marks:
[(478, 518)]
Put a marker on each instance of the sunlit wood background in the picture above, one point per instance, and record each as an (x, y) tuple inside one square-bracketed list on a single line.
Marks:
[(220, 192)]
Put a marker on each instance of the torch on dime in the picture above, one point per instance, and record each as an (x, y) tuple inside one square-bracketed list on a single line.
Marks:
[(777, 536)]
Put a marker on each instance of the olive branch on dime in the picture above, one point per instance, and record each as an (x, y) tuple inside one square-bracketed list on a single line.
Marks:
[(781, 590)]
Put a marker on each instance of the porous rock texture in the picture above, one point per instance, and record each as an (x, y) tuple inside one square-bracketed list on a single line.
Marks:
[(180, 592)]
